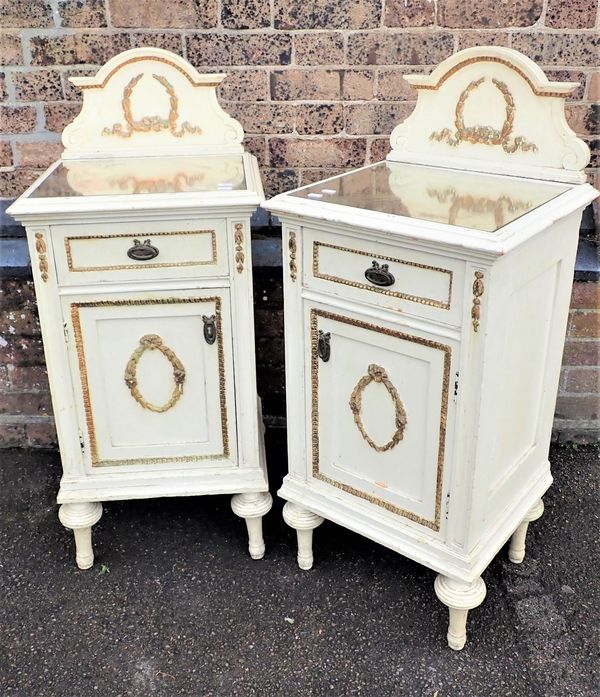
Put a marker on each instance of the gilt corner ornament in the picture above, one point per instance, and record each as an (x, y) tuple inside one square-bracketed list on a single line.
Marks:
[(292, 246), (478, 289), (150, 123), (485, 135), (150, 342), (238, 238), (42, 253), (378, 374)]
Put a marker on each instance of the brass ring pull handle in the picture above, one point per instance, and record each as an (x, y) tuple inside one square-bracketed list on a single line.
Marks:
[(324, 346), (142, 251), (150, 342), (210, 328), (379, 275)]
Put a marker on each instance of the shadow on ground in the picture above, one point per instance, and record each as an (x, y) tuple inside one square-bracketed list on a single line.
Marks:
[(184, 610)]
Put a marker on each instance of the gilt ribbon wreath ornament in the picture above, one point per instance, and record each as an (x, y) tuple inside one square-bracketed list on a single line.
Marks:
[(150, 123), (485, 135)]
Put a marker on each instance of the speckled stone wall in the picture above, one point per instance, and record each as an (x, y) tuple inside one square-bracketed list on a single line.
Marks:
[(316, 85), (318, 88)]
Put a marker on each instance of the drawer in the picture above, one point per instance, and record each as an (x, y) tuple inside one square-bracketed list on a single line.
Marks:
[(389, 276), (98, 253)]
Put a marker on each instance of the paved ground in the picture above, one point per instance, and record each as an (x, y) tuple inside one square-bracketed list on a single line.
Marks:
[(184, 611)]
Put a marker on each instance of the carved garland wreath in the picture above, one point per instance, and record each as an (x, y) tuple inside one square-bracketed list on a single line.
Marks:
[(378, 374), (149, 342), (485, 135), (150, 123)]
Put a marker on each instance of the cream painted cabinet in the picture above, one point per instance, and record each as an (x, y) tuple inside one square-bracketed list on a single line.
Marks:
[(426, 301), (140, 248)]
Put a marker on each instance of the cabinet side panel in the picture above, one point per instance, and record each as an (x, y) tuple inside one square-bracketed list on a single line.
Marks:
[(524, 336)]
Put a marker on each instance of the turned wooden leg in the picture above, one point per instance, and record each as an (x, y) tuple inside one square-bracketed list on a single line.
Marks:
[(304, 522), (460, 597), (252, 507), (516, 550), (79, 517)]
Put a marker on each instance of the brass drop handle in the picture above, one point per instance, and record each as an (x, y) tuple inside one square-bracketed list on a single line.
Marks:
[(210, 328), (379, 275), (142, 251), (324, 346)]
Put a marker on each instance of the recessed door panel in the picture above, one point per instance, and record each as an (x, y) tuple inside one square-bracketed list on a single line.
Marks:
[(153, 377), (379, 420)]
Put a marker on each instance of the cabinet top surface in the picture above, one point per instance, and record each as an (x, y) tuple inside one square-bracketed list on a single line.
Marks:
[(481, 202), (143, 175)]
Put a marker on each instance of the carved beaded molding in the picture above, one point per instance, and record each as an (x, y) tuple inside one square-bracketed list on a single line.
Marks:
[(491, 109), (186, 117)]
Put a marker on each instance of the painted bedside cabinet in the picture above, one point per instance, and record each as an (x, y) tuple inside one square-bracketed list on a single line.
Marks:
[(426, 298), (140, 247)]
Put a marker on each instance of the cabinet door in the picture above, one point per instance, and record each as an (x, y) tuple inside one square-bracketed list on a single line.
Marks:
[(380, 412), (153, 377)]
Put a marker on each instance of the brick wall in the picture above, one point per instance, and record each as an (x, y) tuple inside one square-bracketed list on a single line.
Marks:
[(317, 87)]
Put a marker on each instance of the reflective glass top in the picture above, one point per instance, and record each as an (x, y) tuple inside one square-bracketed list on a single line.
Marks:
[(467, 199), (147, 175)]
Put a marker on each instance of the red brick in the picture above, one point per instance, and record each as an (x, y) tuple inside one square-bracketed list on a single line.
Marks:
[(77, 13), (3, 92), (581, 48), (409, 13), (38, 153), (11, 51), (585, 295), (32, 378), (258, 147), (311, 176), (12, 436), (581, 352), (385, 48), (581, 408), (38, 86), (19, 322), (379, 149), (76, 48), (25, 14), (26, 403), (41, 434), (276, 181), (570, 76), (583, 380), (307, 152), (157, 14), (263, 118), (571, 14), (245, 86), (319, 119), (245, 14), (6, 158), (59, 115), (71, 92), (584, 119), (239, 49), (322, 48), (358, 84), (585, 324), (391, 85), (375, 118), (469, 14), (324, 14), (305, 84), (593, 87), (467, 39), (18, 119), (170, 41), (22, 351)]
